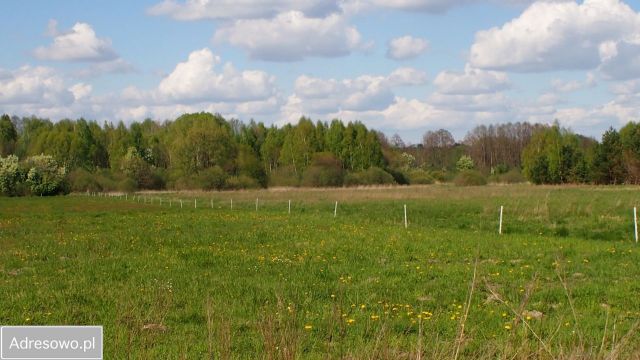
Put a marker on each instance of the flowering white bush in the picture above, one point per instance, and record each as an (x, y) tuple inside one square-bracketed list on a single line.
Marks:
[(9, 174), (45, 176)]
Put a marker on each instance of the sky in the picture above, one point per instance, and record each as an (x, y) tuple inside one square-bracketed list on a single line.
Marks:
[(399, 66)]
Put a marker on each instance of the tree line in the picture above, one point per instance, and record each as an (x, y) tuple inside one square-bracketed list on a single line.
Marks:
[(206, 151)]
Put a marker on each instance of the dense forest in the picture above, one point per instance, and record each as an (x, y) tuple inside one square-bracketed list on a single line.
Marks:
[(206, 151)]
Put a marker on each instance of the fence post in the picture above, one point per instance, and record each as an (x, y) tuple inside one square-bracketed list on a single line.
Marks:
[(500, 226), (406, 224)]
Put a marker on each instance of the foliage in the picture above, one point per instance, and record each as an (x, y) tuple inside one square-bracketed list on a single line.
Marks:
[(325, 171), (420, 177), (10, 175), (8, 136), (608, 164), (556, 156), (371, 176), (513, 176), (465, 163), (45, 176), (241, 182), (470, 178)]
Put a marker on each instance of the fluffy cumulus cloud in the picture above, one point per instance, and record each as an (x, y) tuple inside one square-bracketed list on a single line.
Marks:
[(243, 9), (322, 97), (197, 80), (41, 86), (80, 43), (292, 36), (406, 47), (556, 36), (471, 81)]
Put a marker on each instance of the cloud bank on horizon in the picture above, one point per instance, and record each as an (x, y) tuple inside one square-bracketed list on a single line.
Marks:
[(397, 65)]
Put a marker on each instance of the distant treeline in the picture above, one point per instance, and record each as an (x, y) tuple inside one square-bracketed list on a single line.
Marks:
[(206, 151)]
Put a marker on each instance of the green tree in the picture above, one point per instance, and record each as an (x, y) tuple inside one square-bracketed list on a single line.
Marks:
[(608, 163), (465, 163), (8, 136)]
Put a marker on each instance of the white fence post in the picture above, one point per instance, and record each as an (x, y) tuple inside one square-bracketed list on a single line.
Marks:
[(256, 204), (231, 204), (289, 206), (180, 203), (635, 222), (406, 224), (500, 226), (335, 210), (195, 203)]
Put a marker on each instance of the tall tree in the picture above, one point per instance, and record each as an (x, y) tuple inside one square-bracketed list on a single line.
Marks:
[(8, 136), (608, 165)]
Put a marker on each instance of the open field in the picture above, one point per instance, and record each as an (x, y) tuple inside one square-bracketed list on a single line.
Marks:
[(211, 282)]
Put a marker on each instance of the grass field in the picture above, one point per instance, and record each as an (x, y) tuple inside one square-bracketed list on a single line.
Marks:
[(166, 282)]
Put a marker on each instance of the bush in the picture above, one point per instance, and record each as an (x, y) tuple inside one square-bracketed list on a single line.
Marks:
[(371, 176), (325, 170), (513, 176), (399, 177), (241, 182), (465, 163), (45, 176), (10, 175), (213, 178), (440, 176), (470, 178), (81, 180), (284, 176), (420, 177)]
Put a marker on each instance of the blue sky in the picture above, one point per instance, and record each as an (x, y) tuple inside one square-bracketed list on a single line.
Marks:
[(401, 66)]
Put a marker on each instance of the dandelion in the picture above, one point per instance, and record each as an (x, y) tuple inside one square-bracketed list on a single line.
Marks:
[(507, 326), (350, 321), (308, 327), (375, 317)]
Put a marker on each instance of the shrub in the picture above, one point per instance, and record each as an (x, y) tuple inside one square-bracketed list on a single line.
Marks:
[(513, 176), (470, 178), (10, 175), (241, 182), (81, 180), (440, 175), (465, 163), (325, 170), (45, 176), (399, 176), (371, 176), (420, 177), (213, 178), (284, 176)]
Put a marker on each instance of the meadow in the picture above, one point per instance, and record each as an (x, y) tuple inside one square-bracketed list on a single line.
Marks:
[(207, 281)]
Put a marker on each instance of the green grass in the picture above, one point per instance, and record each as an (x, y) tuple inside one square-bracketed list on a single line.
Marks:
[(247, 284)]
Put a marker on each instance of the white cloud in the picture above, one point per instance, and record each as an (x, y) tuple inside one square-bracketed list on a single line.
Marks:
[(555, 36), (319, 97), (241, 9), (78, 44), (622, 61), (406, 47), (117, 66), (292, 36), (33, 85), (439, 6), (471, 81), (81, 90), (407, 76), (196, 80)]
